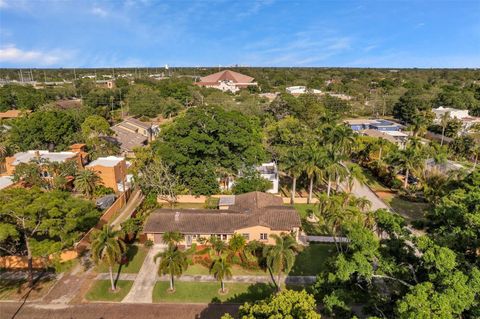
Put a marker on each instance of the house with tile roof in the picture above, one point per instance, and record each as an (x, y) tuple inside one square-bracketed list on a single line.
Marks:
[(133, 133), (227, 81), (254, 215)]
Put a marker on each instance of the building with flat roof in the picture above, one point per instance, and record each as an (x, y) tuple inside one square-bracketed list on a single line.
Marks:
[(254, 215), (112, 171), (374, 124), (6, 181)]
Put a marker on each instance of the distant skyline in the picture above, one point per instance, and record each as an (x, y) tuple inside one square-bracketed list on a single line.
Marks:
[(147, 33)]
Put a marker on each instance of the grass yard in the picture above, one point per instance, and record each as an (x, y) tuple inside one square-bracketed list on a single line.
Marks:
[(136, 256), (373, 183), (100, 290), (197, 269), (207, 292), (304, 209), (312, 260), (410, 210)]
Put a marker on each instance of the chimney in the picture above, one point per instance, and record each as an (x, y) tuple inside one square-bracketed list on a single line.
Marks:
[(177, 216)]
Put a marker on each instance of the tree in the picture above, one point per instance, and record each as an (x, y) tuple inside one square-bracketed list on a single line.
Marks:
[(381, 143), (443, 122), (280, 257), (173, 262), (172, 239), (15, 96), (237, 244), (355, 174), (86, 181), (206, 139), (44, 130), (408, 159), (314, 162), (221, 270), (155, 177), (36, 223), (143, 101), (292, 164), (410, 104), (284, 305), (94, 126), (107, 247), (30, 174), (251, 181)]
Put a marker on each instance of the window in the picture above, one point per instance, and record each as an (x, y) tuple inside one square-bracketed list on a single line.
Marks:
[(246, 236), (263, 236), (224, 236)]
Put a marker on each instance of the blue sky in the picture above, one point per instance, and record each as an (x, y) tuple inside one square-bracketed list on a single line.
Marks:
[(82, 33)]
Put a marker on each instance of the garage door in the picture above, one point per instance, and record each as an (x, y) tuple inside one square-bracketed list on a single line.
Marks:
[(157, 238)]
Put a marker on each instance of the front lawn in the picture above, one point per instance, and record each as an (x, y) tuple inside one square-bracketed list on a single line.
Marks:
[(409, 210), (312, 260), (198, 269), (135, 255), (100, 290), (208, 292)]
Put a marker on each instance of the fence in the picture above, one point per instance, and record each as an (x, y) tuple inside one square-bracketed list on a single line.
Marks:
[(107, 216), (192, 199), (21, 262)]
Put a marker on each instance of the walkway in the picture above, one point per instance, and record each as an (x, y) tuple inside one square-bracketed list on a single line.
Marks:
[(67, 288), (142, 289), (361, 190), (134, 201), (298, 280)]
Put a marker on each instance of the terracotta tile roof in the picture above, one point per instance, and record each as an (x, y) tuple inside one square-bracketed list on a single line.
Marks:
[(226, 75), (213, 221), (254, 200), (12, 113)]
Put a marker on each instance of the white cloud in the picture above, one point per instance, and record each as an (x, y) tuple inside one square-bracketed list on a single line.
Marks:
[(12, 54), (3, 4), (98, 11)]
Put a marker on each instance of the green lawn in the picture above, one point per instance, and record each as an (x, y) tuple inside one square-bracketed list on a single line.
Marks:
[(410, 210), (304, 209), (207, 292), (312, 260), (373, 183), (197, 269), (100, 290), (136, 255)]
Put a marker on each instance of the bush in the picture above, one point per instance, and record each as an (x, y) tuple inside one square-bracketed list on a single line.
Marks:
[(148, 243), (211, 203)]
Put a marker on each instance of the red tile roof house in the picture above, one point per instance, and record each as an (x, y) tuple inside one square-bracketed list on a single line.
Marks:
[(227, 81)]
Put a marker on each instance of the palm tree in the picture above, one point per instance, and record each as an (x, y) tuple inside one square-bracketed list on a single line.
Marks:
[(172, 238), (237, 244), (355, 173), (173, 262), (334, 169), (343, 139), (221, 270), (418, 124), (217, 245), (381, 143), (107, 248), (86, 181), (408, 159), (314, 166), (280, 257), (444, 119), (293, 165)]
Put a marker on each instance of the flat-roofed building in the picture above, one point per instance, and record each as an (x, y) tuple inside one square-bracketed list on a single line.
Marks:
[(112, 171)]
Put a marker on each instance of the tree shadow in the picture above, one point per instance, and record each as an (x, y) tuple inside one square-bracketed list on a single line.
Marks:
[(254, 292), (216, 311)]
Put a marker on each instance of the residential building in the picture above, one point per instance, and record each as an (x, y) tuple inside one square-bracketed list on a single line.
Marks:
[(395, 137), (227, 81), (269, 171), (444, 167), (374, 124), (298, 90), (254, 215), (112, 171), (76, 154), (462, 115), (6, 182), (13, 114), (133, 133)]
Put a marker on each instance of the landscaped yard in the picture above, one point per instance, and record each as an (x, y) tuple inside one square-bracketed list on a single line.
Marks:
[(312, 260), (410, 210), (207, 292), (100, 290), (197, 269), (373, 183), (135, 254)]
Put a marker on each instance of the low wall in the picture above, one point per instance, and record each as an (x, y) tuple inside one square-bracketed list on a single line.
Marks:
[(299, 200), (21, 262), (106, 218), (200, 199)]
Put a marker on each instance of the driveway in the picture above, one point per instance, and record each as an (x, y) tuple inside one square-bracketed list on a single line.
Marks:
[(360, 190), (135, 200), (142, 289)]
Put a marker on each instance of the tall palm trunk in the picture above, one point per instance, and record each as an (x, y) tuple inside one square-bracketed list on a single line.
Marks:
[(443, 135), (279, 280), (475, 162), (310, 190), (112, 282), (294, 186), (337, 183), (223, 286), (405, 182), (329, 186), (171, 282), (380, 154)]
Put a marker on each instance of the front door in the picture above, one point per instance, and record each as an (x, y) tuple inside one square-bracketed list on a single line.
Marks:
[(188, 240)]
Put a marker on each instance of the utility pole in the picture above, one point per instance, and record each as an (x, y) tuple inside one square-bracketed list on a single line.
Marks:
[(74, 74), (44, 77)]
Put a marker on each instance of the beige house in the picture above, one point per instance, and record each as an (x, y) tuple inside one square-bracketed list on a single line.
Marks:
[(132, 133), (112, 171), (254, 215), (227, 81)]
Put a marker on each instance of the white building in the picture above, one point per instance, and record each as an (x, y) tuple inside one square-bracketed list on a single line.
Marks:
[(269, 171), (299, 89), (453, 113)]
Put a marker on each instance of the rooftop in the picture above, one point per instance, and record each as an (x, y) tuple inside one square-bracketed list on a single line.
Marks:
[(5, 181), (226, 75), (109, 161), (379, 134), (26, 157)]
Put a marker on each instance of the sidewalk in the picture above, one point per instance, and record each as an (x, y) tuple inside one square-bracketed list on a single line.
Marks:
[(134, 201)]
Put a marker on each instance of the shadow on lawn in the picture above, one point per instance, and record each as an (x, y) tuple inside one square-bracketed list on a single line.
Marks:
[(215, 310), (254, 292)]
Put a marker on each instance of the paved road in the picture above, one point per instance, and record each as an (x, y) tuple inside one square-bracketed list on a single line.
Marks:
[(360, 190), (114, 311), (134, 201), (142, 288)]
